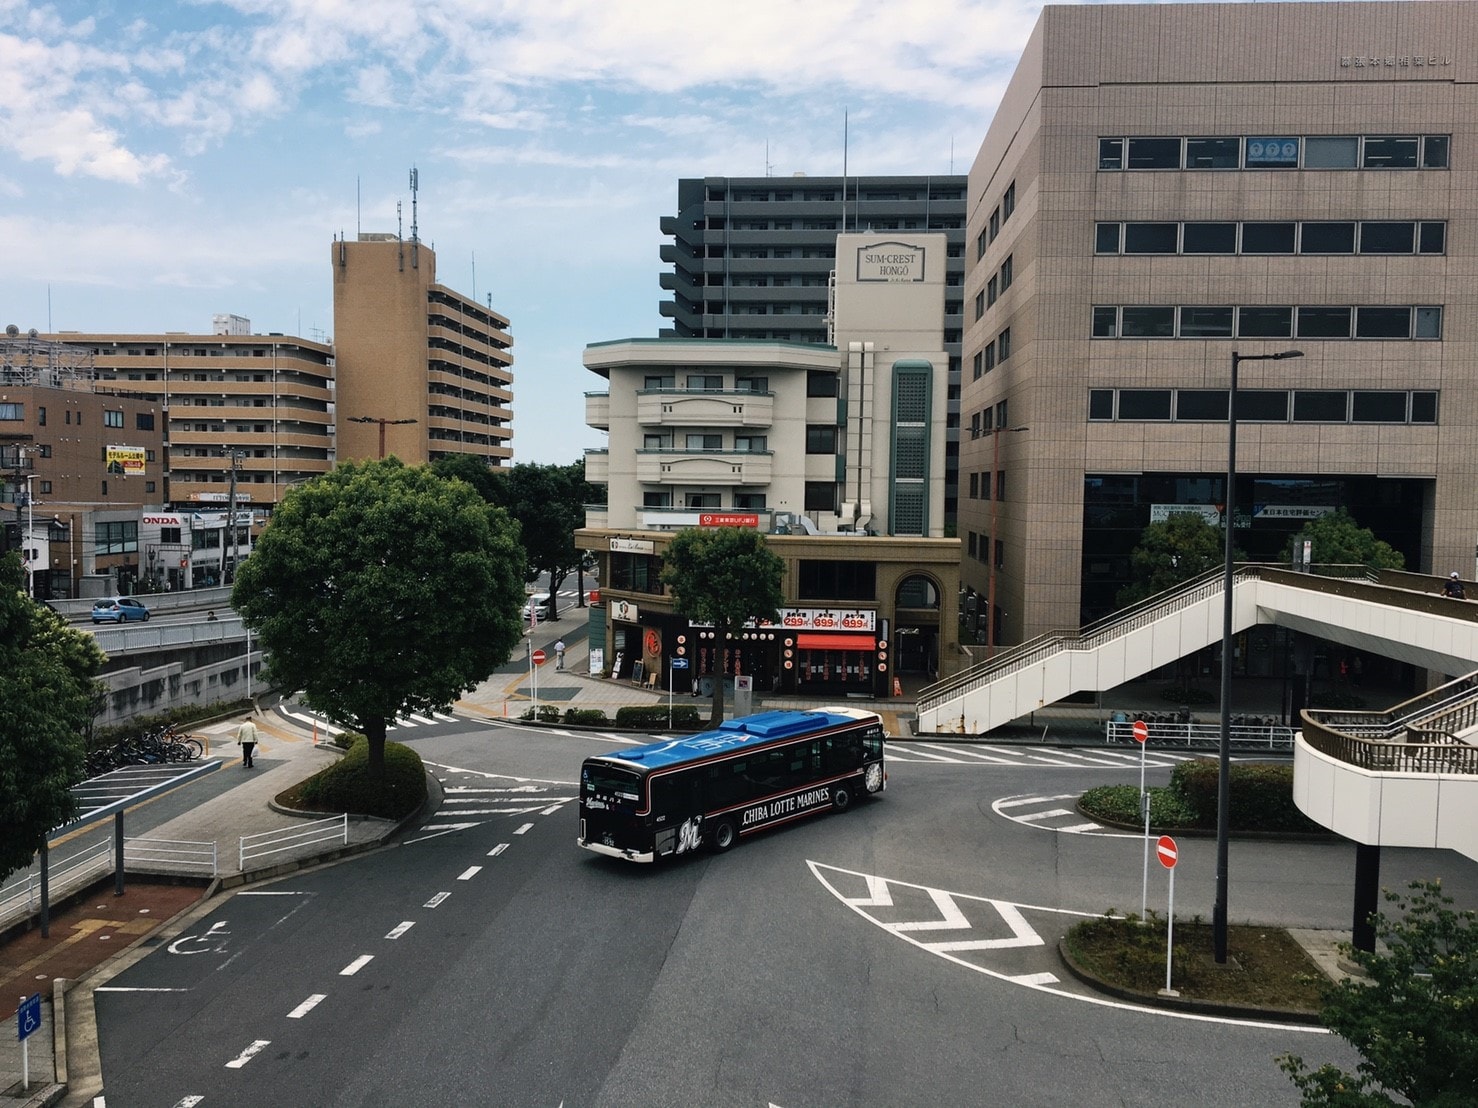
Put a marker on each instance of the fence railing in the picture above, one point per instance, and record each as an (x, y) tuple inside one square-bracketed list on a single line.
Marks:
[(172, 854), (267, 843), (66, 875), (1245, 737), (1433, 753)]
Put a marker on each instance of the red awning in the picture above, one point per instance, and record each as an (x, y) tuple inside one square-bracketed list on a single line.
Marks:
[(814, 640)]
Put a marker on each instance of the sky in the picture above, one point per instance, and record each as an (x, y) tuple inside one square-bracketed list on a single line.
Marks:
[(164, 161)]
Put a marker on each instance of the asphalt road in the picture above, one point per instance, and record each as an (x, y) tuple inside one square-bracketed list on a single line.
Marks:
[(899, 954)]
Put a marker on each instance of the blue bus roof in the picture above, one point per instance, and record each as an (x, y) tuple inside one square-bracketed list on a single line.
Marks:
[(734, 734)]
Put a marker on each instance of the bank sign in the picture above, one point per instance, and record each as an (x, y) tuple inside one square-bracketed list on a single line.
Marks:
[(890, 261)]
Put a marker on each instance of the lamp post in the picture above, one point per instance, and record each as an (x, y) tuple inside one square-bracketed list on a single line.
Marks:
[(1224, 747), (382, 423), (995, 499)]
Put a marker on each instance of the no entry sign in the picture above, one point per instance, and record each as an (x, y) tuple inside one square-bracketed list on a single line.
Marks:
[(540, 657), (1141, 731), (1165, 850)]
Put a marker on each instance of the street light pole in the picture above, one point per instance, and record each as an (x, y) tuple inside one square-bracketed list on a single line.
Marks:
[(995, 499), (382, 423), (1224, 747)]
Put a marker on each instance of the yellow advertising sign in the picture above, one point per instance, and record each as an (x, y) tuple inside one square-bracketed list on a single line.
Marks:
[(127, 461)]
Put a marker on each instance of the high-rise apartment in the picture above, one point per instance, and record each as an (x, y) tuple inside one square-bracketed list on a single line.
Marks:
[(752, 258), (1167, 187), (423, 371)]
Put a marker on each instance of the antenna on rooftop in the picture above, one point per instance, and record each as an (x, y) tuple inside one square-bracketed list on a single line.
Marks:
[(415, 234), (399, 241), (769, 166)]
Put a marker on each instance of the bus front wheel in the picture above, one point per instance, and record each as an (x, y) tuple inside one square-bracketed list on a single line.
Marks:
[(725, 835), (841, 798)]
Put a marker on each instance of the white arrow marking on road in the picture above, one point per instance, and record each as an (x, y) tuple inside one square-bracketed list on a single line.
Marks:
[(435, 900), (553, 808), (248, 1054), (355, 966), (307, 1006), (400, 929), (469, 873), (499, 848)]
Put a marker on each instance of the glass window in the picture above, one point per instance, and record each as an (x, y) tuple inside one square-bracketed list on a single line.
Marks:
[(1387, 238), (1431, 238), (1003, 345), (658, 382), (1008, 202), (752, 384), (1148, 322), (821, 496), (1320, 405), (1327, 238), (821, 439), (1209, 238), (1153, 153), (13, 411), (1390, 152), (1434, 152), (751, 444), (1111, 153), (1105, 322), (1429, 323), (991, 293), (1150, 238), (976, 365), (1100, 404), (1272, 153), (1213, 153), (1382, 323), (980, 304), (1106, 238), (1424, 407), (656, 499), (1265, 322), (703, 441), (990, 357), (1268, 238), (1262, 405), (706, 382), (1153, 404), (1324, 323), (1008, 268), (1201, 404), (821, 382), (1205, 323), (1378, 407), (980, 244), (1331, 152)]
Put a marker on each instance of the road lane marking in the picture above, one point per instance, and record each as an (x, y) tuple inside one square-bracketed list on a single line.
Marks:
[(1034, 979), (400, 929), (525, 827), (307, 1006), (499, 849), (1050, 813), (248, 1054), (140, 989), (270, 892), (188, 1102), (355, 966), (552, 809), (439, 829), (1033, 800), (435, 900), (469, 873)]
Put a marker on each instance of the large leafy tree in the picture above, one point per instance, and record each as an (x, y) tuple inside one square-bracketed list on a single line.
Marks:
[(46, 704), (1338, 540), (1175, 549), (381, 589), (1413, 1016), (724, 576)]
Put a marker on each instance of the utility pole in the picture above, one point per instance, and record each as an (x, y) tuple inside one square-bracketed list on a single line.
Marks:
[(235, 455)]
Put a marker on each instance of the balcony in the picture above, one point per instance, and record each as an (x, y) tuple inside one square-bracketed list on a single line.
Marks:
[(598, 410), (598, 467), (678, 408), (708, 467)]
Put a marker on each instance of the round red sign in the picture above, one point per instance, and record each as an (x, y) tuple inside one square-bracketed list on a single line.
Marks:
[(1141, 731), (1166, 851), (539, 657)]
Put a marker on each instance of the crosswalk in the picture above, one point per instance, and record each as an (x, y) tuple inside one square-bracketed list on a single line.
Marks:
[(305, 718), (472, 797), (986, 755)]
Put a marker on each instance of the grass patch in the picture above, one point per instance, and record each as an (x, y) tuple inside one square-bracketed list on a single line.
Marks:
[(1265, 967), (346, 785)]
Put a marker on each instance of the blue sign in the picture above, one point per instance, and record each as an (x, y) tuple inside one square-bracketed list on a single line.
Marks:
[(28, 1017), (679, 663)]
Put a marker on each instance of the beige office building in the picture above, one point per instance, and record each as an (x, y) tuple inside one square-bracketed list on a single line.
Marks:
[(423, 371), (1165, 185)]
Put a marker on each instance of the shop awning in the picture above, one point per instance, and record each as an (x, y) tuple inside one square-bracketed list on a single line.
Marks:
[(813, 640)]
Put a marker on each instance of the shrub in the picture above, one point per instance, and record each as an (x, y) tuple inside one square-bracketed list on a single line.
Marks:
[(181, 717), (1120, 804), (652, 716), (1260, 794), (545, 713), (346, 786), (589, 717)]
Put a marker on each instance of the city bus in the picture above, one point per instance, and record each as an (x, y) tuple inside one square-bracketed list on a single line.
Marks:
[(666, 798)]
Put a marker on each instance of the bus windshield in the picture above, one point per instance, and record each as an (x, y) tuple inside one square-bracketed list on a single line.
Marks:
[(611, 781)]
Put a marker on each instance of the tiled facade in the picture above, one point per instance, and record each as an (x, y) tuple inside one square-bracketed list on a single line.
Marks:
[(1319, 195)]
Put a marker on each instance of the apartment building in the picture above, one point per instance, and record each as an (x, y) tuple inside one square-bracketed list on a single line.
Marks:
[(835, 451), (752, 258), (423, 371), (1150, 202)]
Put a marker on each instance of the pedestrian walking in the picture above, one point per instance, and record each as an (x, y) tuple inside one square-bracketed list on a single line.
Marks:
[(246, 737), (559, 654), (1454, 587)]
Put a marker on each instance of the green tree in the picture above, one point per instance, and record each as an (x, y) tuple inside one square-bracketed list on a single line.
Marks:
[(381, 589), (1414, 1019), (724, 576), (475, 471), (1175, 549), (46, 704), (1339, 540)]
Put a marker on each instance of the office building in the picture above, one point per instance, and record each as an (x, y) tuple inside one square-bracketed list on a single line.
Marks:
[(752, 258), (423, 371), (1165, 185)]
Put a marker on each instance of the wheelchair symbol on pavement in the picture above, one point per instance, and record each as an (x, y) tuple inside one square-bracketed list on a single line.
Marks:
[(213, 939)]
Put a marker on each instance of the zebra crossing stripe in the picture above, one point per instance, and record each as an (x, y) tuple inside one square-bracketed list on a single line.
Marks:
[(1019, 801), (1052, 813)]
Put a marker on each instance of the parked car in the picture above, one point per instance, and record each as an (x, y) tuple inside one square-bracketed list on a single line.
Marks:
[(539, 600), (118, 609)]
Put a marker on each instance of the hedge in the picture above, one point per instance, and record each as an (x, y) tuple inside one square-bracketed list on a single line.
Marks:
[(656, 716), (346, 786), (1261, 799)]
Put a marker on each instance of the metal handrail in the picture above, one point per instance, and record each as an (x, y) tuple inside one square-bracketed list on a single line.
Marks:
[(69, 873), (312, 833), (1439, 753), (176, 853)]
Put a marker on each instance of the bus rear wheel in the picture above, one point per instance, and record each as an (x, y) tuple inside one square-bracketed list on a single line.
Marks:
[(841, 798), (725, 835)]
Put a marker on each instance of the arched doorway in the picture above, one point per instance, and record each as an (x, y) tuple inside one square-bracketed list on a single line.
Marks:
[(916, 625)]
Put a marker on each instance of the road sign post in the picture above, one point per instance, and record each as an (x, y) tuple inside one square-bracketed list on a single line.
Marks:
[(1142, 737), (1169, 854), (677, 664), (27, 1023)]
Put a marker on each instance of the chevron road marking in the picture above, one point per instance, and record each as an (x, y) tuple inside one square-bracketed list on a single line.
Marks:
[(1033, 800), (862, 892), (1036, 819)]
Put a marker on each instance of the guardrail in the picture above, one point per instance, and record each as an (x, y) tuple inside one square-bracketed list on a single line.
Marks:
[(312, 833), (1244, 737), (1436, 754), (173, 854), (63, 877)]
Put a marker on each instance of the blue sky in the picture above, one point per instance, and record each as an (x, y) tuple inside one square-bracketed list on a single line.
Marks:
[(165, 161)]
